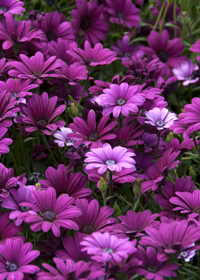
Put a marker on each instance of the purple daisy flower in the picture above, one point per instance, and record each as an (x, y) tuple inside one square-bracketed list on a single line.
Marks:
[(4, 142), (180, 236), (54, 26), (15, 259), (108, 247), (39, 113), (107, 158), (161, 118), (167, 52), (123, 12), (11, 6), (88, 20), (142, 163), (63, 137), (98, 56), (149, 141), (151, 267), (70, 269), (50, 213), (184, 72), (7, 108), (135, 224), (7, 228), (73, 184), (90, 133), (23, 194), (35, 67), (17, 32), (93, 218), (17, 88), (73, 249), (122, 99)]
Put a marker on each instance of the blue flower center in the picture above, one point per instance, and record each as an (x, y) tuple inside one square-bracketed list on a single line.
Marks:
[(152, 269), (48, 216), (24, 208), (110, 162), (11, 266), (94, 137), (121, 101), (88, 229), (120, 15), (108, 250), (160, 123), (4, 9)]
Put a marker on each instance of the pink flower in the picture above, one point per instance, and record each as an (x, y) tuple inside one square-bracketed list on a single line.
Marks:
[(184, 72), (63, 138), (11, 6)]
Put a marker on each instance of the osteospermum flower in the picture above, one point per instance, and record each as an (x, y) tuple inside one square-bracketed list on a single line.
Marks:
[(63, 138), (161, 118), (107, 158), (122, 99), (15, 259), (35, 67), (7, 108), (98, 56), (4, 142), (88, 20), (50, 213), (90, 133), (39, 113), (123, 12), (184, 72), (12, 7), (106, 247)]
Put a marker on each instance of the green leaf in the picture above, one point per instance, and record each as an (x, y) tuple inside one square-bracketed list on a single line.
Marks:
[(139, 39), (29, 139)]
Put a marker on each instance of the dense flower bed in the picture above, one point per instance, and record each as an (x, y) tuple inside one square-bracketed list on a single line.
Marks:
[(99, 139)]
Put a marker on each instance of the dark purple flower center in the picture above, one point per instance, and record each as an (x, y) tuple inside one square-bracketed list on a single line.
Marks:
[(85, 23), (88, 229), (152, 269), (41, 123), (108, 250), (14, 37), (48, 216), (142, 112), (119, 143), (11, 266), (51, 37), (139, 170), (160, 123), (196, 210), (110, 162), (93, 137), (13, 94), (4, 9), (163, 56), (37, 73), (127, 54), (121, 101), (120, 15), (24, 208)]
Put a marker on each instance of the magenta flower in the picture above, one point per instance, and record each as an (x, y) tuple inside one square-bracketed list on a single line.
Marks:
[(39, 113), (184, 72), (7, 228), (4, 142), (7, 108), (35, 67), (50, 213), (151, 267), (180, 236), (191, 116), (88, 20), (63, 138), (70, 270), (135, 224), (90, 133), (167, 52), (23, 194), (106, 247), (15, 259), (161, 118), (142, 163), (73, 184), (122, 99), (123, 12), (98, 56), (18, 88), (17, 32), (149, 141), (11, 6), (187, 203), (54, 26), (93, 218), (107, 158)]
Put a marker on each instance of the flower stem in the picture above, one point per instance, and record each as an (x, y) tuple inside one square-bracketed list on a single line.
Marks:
[(105, 277), (111, 188), (50, 151), (174, 17), (15, 163), (157, 145), (164, 15), (85, 86), (159, 16), (196, 145)]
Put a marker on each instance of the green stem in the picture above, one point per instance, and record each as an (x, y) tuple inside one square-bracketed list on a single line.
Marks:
[(111, 188), (174, 16), (104, 199), (164, 15), (159, 16), (195, 142), (157, 145), (49, 149), (105, 277), (85, 86), (15, 163)]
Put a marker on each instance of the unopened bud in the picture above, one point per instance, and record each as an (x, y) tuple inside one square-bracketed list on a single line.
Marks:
[(192, 173), (103, 186), (117, 209), (74, 110), (38, 185), (137, 187), (170, 136), (185, 18)]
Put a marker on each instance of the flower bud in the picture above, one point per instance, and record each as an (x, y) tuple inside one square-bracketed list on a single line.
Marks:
[(192, 173), (74, 110), (103, 186), (137, 187), (117, 209), (185, 18), (170, 136)]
